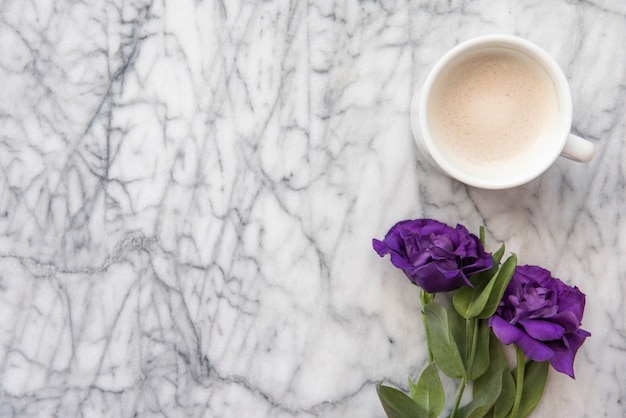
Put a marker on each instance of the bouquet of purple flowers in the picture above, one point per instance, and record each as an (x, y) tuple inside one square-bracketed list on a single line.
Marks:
[(487, 302)]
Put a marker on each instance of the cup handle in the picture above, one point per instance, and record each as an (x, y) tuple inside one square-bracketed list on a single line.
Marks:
[(578, 149)]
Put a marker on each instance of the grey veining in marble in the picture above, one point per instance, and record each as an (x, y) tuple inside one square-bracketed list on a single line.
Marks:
[(189, 189)]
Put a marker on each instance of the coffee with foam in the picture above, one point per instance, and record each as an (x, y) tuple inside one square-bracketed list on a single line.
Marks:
[(491, 108)]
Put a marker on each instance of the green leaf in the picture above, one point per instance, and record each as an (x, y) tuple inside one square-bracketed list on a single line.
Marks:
[(444, 348), (507, 396), (486, 275), (535, 376), (470, 302), (501, 281), (498, 364), (497, 256), (413, 389), (457, 326), (428, 393), (397, 404), (481, 358), (486, 393)]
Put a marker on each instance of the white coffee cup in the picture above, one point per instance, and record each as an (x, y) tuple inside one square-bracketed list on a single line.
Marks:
[(495, 112)]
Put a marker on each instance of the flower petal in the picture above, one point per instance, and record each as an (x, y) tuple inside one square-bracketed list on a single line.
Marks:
[(573, 300), (380, 247), (434, 280), (542, 330), (568, 320), (510, 334), (399, 261), (563, 359)]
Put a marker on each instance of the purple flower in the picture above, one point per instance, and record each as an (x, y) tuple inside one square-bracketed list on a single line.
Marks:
[(433, 255), (542, 316)]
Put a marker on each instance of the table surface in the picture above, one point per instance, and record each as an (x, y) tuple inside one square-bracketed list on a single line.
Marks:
[(189, 190)]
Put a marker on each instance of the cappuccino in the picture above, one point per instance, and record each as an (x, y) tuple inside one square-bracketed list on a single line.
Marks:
[(492, 107)]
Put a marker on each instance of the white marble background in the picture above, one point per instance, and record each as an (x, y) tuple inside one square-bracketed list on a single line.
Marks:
[(189, 189)]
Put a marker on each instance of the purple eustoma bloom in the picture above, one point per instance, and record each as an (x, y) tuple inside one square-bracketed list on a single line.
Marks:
[(433, 255), (542, 316)]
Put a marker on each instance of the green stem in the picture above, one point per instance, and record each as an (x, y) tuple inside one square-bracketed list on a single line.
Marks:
[(471, 338), (519, 382), (459, 395), (426, 298), (468, 342), (472, 352), (430, 353)]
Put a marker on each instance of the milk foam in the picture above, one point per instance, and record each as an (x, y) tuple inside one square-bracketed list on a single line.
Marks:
[(491, 108)]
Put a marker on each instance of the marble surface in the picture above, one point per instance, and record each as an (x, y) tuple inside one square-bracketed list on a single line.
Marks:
[(189, 189)]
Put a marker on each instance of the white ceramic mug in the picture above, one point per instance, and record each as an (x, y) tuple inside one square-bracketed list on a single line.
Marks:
[(552, 141)]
